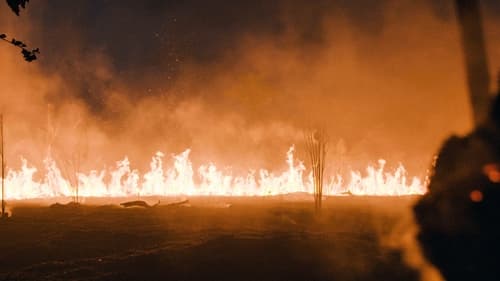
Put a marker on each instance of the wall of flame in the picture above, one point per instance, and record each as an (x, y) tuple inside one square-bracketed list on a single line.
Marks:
[(180, 178)]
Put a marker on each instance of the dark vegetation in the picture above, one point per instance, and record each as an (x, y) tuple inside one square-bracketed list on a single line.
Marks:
[(16, 5), (458, 217), (28, 55)]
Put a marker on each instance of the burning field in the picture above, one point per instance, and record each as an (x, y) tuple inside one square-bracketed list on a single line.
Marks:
[(180, 178), (208, 225), (226, 140)]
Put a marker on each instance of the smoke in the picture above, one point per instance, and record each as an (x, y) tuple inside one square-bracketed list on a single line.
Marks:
[(236, 87), (403, 238), (237, 83)]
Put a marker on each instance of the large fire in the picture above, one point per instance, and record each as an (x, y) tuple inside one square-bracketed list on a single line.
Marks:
[(183, 179)]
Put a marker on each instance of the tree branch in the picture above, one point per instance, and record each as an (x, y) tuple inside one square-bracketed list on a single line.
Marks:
[(29, 55)]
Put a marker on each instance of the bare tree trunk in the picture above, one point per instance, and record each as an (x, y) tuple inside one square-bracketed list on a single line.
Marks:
[(316, 145), (478, 77), (3, 166)]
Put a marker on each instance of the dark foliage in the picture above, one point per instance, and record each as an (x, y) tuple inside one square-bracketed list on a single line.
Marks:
[(458, 217), (16, 5), (29, 55)]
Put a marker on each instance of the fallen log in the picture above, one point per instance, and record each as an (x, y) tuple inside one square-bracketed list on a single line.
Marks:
[(144, 204), (67, 205), (138, 203), (177, 203)]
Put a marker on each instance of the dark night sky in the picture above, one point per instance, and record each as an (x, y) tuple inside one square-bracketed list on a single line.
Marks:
[(157, 36)]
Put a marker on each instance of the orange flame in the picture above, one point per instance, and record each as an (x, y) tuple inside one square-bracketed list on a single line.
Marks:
[(181, 179)]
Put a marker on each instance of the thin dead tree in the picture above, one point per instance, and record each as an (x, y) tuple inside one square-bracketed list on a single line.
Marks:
[(51, 131), (71, 158), (316, 145), (77, 158), (55, 153), (3, 167), (70, 168)]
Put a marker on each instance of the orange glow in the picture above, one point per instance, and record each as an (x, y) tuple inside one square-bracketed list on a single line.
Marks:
[(493, 172), (476, 196)]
